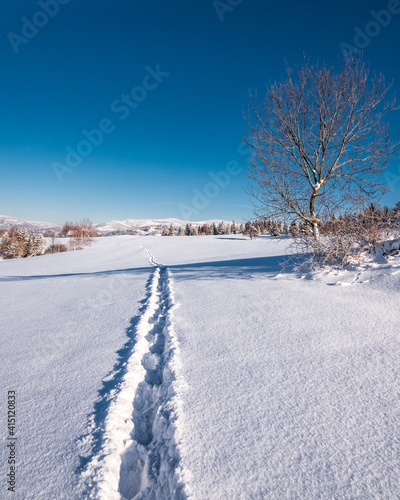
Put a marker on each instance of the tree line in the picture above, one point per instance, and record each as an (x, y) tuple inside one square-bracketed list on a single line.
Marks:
[(204, 229)]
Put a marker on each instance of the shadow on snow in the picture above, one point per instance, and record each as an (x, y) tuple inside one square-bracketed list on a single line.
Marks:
[(244, 268)]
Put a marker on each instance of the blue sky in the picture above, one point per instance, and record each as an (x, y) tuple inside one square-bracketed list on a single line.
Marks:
[(72, 73)]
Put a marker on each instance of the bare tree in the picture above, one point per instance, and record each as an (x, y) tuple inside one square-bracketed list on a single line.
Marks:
[(80, 234), (318, 142), (86, 232)]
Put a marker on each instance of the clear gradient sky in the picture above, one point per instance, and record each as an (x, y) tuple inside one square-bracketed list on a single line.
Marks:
[(196, 66)]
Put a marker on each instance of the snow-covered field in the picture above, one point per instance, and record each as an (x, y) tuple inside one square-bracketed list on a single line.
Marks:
[(172, 368)]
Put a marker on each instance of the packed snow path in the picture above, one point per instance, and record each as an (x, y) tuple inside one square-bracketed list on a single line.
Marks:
[(139, 457)]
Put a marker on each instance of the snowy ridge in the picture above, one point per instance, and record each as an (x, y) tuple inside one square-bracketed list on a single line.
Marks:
[(139, 458), (40, 227)]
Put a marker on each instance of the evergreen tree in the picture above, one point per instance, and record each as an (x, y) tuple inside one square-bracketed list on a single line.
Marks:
[(294, 229), (275, 230), (30, 246), (233, 228), (181, 231), (164, 232), (242, 229), (305, 229), (171, 230), (38, 245), (253, 231), (22, 236), (214, 229), (21, 242), (221, 228), (8, 248)]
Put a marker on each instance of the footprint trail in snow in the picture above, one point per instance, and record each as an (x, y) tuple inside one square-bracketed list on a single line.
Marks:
[(139, 458)]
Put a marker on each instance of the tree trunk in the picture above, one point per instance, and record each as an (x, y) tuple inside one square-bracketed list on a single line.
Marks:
[(315, 231), (314, 218)]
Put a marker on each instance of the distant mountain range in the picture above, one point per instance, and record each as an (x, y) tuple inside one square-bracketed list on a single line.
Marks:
[(129, 226), (39, 227), (144, 226)]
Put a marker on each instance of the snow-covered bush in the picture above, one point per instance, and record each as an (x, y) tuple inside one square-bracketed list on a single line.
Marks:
[(56, 248), (344, 240)]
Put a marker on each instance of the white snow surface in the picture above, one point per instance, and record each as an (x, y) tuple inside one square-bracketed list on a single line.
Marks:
[(192, 367)]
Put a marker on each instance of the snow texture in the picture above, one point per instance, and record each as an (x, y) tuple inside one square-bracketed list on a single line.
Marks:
[(174, 368)]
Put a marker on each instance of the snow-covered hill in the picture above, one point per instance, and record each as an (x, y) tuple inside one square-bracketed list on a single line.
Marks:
[(177, 368)]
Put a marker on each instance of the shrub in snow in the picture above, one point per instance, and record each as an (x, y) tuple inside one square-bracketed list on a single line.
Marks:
[(346, 239), (56, 248)]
